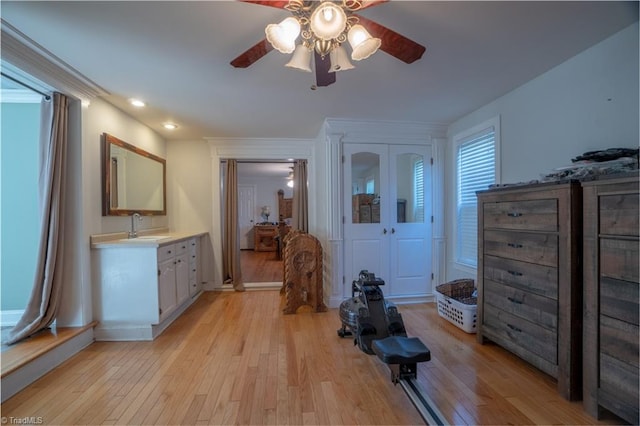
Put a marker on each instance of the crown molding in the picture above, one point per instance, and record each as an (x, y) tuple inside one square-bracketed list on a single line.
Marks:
[(46, 69)]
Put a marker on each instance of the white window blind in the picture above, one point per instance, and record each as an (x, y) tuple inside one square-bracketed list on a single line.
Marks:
[(418, 190), (476, 169)]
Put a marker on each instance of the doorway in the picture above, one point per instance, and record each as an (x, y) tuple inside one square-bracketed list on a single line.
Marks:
[(258, 184)]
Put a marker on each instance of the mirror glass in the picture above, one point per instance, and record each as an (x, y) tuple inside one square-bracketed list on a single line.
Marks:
[(410, 188), (133, 180), (365, 185)]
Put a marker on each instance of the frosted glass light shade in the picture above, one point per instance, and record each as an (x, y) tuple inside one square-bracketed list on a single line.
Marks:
[(283, 36), (362, 43), (340, 60), (328, 21), (301, 59)]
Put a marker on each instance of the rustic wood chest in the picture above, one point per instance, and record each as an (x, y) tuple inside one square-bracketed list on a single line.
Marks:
[(529, 287), (611, 253)]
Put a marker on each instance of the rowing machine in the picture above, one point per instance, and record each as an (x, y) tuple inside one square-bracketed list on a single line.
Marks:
[(378, 329)]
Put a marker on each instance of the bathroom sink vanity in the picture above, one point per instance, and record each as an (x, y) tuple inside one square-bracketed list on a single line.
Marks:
[(143, 284)]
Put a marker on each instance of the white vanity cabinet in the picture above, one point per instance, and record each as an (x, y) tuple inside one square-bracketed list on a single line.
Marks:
[(140, 287)]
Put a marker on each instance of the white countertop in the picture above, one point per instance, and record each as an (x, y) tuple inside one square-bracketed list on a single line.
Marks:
[(146, 238)]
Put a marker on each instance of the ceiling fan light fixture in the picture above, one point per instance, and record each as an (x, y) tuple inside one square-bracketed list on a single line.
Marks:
[(283, 36), (340, 60), (328, 21), (301, 59), (362, 44)]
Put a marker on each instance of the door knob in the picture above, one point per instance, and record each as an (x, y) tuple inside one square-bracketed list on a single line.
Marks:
[(384, 231), (393, 230)]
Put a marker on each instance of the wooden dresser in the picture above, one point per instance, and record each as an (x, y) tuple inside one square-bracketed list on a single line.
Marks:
[(611, 297), (265, 237), (529, 293)]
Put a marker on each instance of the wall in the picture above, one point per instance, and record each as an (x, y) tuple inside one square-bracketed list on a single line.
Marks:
[(189, 202), (20, 204), (84, 205), (267, 194), (589, 102)]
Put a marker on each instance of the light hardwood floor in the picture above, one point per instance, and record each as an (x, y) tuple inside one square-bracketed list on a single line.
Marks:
[(260, 266), (234, 358)]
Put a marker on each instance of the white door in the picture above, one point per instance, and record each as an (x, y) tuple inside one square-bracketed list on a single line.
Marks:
[(246, 214), (365, 230), (387, 226), (410, 226)]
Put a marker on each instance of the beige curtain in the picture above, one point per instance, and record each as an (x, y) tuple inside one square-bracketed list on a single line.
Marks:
[(44, 300), (231, 237), (300, 196)]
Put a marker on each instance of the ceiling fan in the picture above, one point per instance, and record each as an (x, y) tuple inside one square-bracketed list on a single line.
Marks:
[(322, 28)]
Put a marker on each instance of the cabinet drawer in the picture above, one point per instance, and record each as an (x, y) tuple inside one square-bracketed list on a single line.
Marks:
[(527, 247), (619, 299), (619, 340), (529, 306), (619, 386), (619, 214), (539, 279), (166, 252), (619, 259), (535, 339), (538, 215), (182, 246)]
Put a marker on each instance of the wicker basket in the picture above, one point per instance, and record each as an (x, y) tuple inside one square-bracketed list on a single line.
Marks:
[(457, 303)]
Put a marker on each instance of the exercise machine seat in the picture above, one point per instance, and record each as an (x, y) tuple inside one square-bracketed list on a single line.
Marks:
[(401, 350)]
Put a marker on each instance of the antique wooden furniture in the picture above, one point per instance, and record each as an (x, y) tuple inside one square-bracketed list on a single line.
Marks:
[(529, 294), (611, 297), (285, 206), (265, 237), (303, 273)]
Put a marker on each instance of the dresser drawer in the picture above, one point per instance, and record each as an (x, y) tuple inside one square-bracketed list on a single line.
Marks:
[(619, 214), (527, 247), (510, 328), (619, 259), (619, 299), (538, 215), (539, 279), (540, 310)]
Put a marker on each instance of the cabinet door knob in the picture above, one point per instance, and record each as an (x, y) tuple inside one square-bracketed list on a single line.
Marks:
[(384, 231), (514, 245), (514, 214)]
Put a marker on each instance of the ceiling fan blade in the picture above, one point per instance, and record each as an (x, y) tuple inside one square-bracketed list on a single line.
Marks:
[(393, 43), (370, 3), (280, 4), (254, 53), (323, 76)]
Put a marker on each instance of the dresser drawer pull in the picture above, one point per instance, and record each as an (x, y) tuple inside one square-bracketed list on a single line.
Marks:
[(516, 301), (514, 328), (515, 273), (514, 245), (514, 214)]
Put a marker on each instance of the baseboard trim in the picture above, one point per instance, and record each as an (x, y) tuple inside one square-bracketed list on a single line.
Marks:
[(119, 332)]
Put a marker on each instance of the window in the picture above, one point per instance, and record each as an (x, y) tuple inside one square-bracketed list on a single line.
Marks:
[(418, 190), (20, 230), (476, 170)]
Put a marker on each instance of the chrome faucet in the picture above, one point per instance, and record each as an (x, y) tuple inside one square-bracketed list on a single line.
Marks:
[(134, 232)]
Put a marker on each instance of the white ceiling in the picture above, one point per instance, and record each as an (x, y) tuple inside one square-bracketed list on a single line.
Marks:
[(175, 56)]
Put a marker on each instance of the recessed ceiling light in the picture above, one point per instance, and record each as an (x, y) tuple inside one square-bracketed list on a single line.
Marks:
[(137, 103), (170, 126)]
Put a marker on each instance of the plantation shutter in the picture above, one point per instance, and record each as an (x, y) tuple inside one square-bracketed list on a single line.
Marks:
[(418, 190), (476, 171)]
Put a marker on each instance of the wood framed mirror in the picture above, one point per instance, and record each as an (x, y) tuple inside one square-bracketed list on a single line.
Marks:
[(133, 180)]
